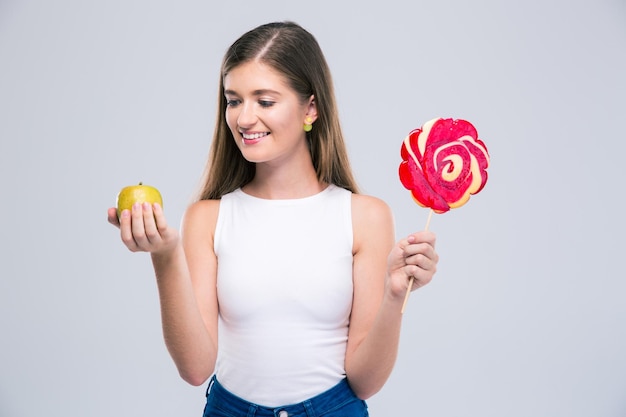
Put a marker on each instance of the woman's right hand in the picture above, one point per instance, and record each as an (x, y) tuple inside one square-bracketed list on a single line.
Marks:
[(144, 228)]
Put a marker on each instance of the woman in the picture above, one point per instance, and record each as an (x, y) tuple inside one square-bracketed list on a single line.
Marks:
[(280, 255)]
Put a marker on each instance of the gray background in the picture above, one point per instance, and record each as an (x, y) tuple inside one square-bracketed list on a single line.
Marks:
[(526, 316)]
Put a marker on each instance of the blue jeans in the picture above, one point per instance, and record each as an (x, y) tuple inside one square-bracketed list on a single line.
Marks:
[(338, 401)]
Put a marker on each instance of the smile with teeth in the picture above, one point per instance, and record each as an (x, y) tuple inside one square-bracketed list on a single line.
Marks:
[(253, 136)]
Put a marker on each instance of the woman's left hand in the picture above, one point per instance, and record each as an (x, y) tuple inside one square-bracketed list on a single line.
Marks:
[(413, 256)]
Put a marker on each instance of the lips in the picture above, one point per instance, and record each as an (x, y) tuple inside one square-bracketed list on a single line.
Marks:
[(250, 138)]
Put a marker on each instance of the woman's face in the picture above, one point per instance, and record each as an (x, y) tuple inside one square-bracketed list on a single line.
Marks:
[(264, 114)]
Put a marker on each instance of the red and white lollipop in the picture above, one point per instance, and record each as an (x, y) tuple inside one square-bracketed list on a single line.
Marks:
[(443, 164)]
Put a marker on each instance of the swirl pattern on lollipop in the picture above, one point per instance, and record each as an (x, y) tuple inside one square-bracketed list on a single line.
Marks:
[(443, 163)]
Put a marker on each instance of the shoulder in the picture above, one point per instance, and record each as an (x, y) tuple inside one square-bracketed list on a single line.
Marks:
[(201, 217), (201, 209), (371, 218), (366, 208)]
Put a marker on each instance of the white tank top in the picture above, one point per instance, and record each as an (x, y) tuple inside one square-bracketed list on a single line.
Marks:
[(284, 284)]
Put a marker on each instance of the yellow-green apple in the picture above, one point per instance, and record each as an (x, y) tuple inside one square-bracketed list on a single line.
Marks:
[(137, 194)]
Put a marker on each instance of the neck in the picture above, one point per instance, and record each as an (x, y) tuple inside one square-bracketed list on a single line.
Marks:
[(284, 181)]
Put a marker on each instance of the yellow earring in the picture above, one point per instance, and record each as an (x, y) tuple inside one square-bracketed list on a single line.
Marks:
[(308, 124)]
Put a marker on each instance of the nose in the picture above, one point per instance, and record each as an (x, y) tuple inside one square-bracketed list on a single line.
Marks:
[(247, 116)]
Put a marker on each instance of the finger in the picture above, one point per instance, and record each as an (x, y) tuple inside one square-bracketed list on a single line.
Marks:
[(137, 225), (412, 243), (159, 217), (112, 217), (150, 228), (411, 252), (421, 261), (420, 276), (126, 231), (424, 236), (421, 254)]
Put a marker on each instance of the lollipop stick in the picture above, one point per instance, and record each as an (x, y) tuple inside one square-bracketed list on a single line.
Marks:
[(408, 289), (430, 216)]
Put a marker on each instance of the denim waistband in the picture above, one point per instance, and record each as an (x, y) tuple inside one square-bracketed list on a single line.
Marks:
[(334, 398)]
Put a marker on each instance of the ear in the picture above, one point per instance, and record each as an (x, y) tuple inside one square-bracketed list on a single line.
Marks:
[(311, 109)]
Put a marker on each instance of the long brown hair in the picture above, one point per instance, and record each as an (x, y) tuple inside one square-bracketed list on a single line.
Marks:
[(294, 52)]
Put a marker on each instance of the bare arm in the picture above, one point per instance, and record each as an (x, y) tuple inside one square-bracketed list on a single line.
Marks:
[(185, 270), (380, 282)]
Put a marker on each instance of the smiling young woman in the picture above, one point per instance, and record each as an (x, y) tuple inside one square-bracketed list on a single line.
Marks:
[(297, 272), (265, 116)]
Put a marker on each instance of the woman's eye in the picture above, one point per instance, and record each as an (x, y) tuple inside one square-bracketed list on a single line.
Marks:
[(265, 103), (232, 102)]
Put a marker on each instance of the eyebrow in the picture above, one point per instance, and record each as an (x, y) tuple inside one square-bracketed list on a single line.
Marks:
[(259, 92)]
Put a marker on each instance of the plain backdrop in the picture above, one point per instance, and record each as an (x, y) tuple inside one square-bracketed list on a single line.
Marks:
[(527, 314)]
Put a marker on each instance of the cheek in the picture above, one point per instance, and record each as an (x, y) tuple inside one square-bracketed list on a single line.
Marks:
[(231, 120), (293, 122)]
